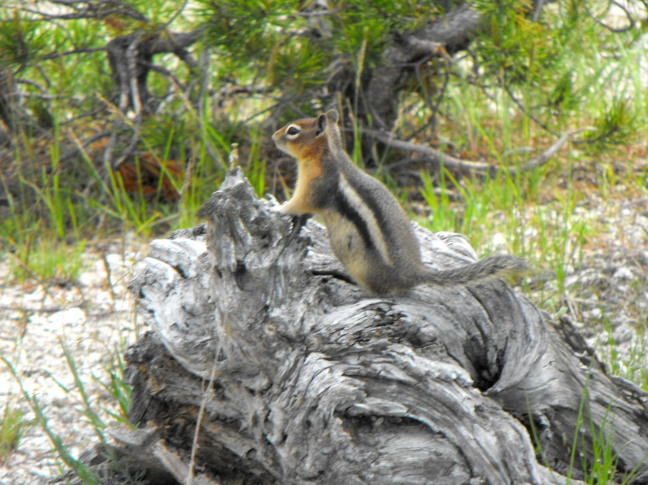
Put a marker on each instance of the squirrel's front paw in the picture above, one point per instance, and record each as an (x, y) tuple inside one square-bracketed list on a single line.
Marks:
[(279, 208)]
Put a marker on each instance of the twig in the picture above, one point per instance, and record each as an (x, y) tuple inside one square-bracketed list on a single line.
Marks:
[(165, 72), (434, 107), (319, 13), (201, 414), (537, 9), (616, 30), (519, 104), (80, 147), (544, 157), (79, 50)]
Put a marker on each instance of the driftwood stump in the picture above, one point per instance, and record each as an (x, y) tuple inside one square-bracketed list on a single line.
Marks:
[(298, 376)]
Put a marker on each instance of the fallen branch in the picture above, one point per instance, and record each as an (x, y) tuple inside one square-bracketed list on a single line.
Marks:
[(458, 165)]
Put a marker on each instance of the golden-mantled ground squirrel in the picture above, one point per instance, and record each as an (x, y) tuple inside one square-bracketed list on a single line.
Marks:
[(369, 231)]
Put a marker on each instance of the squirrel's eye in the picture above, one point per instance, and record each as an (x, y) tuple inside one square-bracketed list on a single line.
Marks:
[(292, 131)]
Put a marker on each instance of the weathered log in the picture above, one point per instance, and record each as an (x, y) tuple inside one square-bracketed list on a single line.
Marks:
[(296, 375)]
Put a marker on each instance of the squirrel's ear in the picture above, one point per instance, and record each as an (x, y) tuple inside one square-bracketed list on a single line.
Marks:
[(321, 124), (332, 116)]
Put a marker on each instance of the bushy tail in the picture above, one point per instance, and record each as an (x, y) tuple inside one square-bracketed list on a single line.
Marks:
[(490, 267)]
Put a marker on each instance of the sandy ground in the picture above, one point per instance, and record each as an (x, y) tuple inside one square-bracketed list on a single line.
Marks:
[(94, 320)]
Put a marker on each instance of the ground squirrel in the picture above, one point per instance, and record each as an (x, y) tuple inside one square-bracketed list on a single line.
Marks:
[(369, 231)]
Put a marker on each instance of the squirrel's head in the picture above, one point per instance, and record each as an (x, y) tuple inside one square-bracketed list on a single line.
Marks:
[(305, 137)]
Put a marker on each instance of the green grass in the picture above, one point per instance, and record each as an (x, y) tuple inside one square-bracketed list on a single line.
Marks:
[(549, 236), (46, 259), (632, 366), (541, 214), (591, 452), (601, 464), (13, 426), (62, 452)]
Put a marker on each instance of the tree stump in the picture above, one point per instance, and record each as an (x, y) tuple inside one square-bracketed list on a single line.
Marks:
[(295, 375)]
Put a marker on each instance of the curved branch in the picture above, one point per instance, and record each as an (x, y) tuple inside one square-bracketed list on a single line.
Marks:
[(80, 50), (466, 166), (616, 30)]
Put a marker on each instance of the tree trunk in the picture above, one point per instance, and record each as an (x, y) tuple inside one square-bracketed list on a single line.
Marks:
[(451, 32), (130, 59), (298, 376)]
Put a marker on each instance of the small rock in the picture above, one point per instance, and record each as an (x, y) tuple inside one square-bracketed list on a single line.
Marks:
[(623, 334), (623, 274), (68, 317)]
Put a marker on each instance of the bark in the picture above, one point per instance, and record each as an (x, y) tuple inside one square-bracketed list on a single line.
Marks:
[(298, 376)]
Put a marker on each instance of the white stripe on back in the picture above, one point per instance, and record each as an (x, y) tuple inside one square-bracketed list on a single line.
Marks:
[(367, 216)]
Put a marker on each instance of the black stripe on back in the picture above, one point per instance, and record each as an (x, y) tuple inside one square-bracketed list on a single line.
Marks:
[(378, 212), (349, 212)]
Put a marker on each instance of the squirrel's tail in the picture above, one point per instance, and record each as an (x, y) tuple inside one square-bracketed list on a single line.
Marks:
[(490, 267)]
